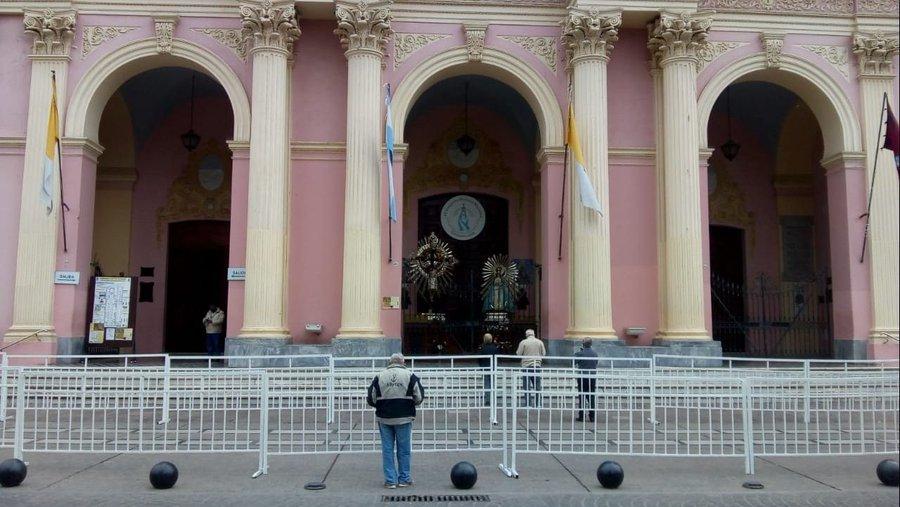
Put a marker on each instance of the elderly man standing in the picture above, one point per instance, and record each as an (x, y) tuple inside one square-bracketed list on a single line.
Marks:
[(532, 351), (395, 393)]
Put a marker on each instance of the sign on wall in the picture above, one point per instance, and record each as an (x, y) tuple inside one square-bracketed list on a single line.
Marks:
[(237, 274), (66, 277), (462, 217)]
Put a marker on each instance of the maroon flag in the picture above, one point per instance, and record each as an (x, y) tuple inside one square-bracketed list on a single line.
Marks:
[(892, 136)]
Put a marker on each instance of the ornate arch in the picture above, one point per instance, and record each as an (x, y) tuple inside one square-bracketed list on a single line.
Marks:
[(495, 64), (824, 96), (104, 78)]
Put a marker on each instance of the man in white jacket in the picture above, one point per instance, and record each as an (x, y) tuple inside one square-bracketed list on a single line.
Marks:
[(532, 350), (213, 321)]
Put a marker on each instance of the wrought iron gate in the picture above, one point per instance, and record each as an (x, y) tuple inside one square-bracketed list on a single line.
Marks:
[(769, 319), (464, 320)]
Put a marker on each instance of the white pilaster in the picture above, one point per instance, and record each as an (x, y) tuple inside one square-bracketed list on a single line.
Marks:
[(271, 31), (363, 30), (38, 228), (876, 78), (674, 40), (589, 38)]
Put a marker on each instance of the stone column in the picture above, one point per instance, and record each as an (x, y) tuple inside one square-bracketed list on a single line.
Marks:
[(674, 40), (363, 30), (39, 228), (589, 39), (271, 31), (876, 77)]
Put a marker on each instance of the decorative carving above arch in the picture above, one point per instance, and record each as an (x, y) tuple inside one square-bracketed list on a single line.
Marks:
[(197, 193), (93, 36), (489, 173), (405, 44), (727, 204)]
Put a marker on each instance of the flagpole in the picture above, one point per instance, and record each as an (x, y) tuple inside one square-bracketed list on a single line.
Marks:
[(62, 201), (878, 148), (562, 201)]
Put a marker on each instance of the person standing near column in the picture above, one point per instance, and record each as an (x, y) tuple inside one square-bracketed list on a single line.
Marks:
[(213, 321), (586, 362)]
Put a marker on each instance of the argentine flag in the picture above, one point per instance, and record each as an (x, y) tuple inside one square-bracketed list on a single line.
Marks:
[(51, 149), (389, 145), (585, 188)]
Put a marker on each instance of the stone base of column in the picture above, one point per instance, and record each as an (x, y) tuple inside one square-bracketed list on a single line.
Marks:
[(851, 349), (29, 334), (362, 346), (567, 347), (593, 334), (70, 345), (692, 347), (270, 346)]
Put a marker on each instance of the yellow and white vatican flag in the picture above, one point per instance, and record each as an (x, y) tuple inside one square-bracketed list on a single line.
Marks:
[(585, 188), (51, 152)]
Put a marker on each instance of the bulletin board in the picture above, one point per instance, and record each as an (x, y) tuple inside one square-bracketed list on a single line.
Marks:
[(110, 314)]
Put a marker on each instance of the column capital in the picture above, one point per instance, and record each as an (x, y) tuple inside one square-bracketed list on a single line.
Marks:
[(53, 32), (678, 36), (269, 27), (363, 28), (875, 52), (591, 34)]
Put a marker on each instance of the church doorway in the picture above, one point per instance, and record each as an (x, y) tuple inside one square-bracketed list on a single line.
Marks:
[(770, 278), (470, 189), (163, 201), (197, 260)]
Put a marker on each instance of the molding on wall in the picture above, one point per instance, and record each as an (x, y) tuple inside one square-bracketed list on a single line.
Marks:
[(12, 142), (649, 152), (314, 150)]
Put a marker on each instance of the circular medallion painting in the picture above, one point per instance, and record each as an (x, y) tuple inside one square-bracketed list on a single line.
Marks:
[(211, 173), (462, 217)]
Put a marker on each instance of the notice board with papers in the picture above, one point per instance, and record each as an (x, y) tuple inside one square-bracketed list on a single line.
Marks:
[(110, 314)]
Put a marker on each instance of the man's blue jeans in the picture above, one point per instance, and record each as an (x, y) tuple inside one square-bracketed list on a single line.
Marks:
[(214, 345), (397, 436)]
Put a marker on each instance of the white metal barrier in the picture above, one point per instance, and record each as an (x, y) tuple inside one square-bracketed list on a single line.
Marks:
[(317, 404), (120, 411)]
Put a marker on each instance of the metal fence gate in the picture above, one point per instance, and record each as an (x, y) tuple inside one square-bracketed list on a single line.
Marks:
[(769, 319)]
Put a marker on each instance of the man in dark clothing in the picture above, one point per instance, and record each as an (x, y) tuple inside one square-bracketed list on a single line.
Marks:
[(488, 348), (586, 363)]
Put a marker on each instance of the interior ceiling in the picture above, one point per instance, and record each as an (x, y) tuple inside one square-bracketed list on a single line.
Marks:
[(760, 107), (484, 92), (152, 95)]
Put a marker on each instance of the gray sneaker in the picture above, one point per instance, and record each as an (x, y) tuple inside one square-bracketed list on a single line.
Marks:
[(390, 485), (406, 484)]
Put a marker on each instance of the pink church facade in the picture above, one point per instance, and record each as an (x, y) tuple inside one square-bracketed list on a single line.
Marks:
[(280, 213)]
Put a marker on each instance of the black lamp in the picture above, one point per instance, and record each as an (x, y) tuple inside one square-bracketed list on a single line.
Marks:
[(730, 148), (466, 143), (190, 139)]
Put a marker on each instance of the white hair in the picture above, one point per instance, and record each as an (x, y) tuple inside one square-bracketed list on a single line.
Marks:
[(396, 358), (529, 332)]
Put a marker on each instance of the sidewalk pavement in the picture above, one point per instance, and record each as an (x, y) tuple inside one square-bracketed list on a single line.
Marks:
[(355, 479)]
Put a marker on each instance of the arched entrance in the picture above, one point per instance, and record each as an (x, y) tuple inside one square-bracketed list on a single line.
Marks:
[(472, 181), (163, 202), (135, 102), (769, 238)]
